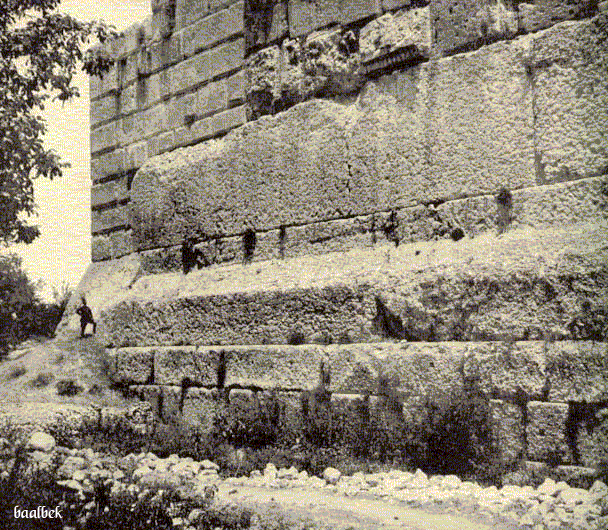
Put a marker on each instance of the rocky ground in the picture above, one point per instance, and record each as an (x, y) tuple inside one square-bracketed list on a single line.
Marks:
[(291, 499)]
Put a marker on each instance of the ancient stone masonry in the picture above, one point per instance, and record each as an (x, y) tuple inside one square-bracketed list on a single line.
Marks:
[(411, 195)]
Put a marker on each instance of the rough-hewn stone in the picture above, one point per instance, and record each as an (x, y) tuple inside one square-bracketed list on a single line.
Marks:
[(459, 25), (171, 404), (507, 370), (134, 365), (212, 29), (281, 367), (540, 14), (391, 32), (546, 432), (109, 218), (199, 407), (113, 191), (571, 100), (577, 371), (523, 285), (111, 246), (467, 156), (592, 439), (186, 364), (507, 430)]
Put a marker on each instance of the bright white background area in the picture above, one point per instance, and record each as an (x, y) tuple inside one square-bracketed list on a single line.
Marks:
[(63, 250)]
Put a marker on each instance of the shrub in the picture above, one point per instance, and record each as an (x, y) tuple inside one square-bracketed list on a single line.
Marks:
[(22, 313), (68, 387), (42, 379), (17, 371)]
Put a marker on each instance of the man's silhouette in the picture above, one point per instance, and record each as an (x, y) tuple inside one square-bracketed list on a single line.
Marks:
[(86, 317)]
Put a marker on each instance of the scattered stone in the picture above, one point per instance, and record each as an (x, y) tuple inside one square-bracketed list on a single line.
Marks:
[(331, 475), (41, 441)]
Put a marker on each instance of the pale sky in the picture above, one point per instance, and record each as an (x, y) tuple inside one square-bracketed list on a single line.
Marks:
[(63, 251)]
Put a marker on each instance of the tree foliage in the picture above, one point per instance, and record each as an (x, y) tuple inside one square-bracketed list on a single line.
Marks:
[(22, 313), (41, 49)]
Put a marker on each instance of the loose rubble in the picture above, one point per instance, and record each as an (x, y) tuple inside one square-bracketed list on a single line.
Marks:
[(552, 505)]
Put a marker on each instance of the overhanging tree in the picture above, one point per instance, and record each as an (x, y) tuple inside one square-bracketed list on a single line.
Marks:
[(41, 49)]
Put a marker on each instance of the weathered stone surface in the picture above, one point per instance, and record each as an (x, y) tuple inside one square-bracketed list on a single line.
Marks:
[(263, 26), (469, 156), (540, 14), (134, 365), (281, 367), (427, 371), (102, 283), (592, 439), (41, 441), (323, 64), (571, 100), (103, 109), (171, 404), (577, 371), (112, 163), (354, 368), (507, 430), (150, 393), (196, 365), (199, 407), (112, 246), (227, 172), (391, 32), (409, 138), (104, 137), (109, 218), (546, 432), (113, 191), (143, 124), (507, 370), (458, 25), (212, 29), (516, 287), (304, 17)]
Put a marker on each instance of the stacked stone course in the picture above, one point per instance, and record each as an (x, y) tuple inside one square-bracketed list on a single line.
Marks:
[(336, 131)]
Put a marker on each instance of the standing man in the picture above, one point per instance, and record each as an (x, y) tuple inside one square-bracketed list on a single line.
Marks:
[(86, 317)]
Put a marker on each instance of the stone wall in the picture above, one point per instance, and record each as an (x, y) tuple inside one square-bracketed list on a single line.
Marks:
[(546, 401), (414, 115), (420, 172)]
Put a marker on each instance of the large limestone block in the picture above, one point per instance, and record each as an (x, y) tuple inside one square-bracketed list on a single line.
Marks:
[(387, 145), (571, 100), (592, 439), (507, 430), (422, 370), (111, 246), (524, 285), (461, 24), (224, 186), (507, 370), (578, 371), (539, 14), (406, 28), (355, 368), (546, 432), (281, 367), (134, 365), (480, 122), (237, 318), (186, 365), (199, 408)]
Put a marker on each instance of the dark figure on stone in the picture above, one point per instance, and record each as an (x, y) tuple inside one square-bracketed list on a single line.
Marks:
[(86, 317), (191, 256)]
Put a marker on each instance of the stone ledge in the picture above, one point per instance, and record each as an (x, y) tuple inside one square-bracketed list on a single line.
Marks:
[(523, 285)]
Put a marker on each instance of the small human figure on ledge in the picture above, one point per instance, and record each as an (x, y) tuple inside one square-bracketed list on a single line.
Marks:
[(86, 317)]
